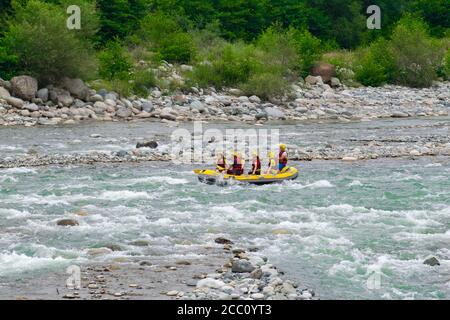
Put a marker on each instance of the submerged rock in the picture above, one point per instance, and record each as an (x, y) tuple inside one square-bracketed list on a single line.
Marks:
[(432, 261), (67, 223), (147, 144), (221, 240)]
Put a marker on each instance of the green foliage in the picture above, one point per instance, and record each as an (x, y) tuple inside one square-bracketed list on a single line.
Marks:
[(164, 35), (280, 49), (90, 22), (377, 65), (226, 66), (417, 56), (447, 64), (265, 85), (114, 62), (260, 69), (8, 62), (177, 47), (309, 49), (37, 39), (120, 18), (436, 14), (143, 80)]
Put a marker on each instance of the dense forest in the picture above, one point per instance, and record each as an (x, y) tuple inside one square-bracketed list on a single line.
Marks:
[(257, 45)]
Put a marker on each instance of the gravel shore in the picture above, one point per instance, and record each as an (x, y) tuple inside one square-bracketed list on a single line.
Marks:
[(305, 102), (223, 273)]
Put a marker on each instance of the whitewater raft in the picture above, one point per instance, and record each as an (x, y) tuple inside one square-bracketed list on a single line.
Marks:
[(214, 177)]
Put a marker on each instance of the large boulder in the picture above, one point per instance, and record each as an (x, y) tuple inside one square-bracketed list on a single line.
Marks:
[(24, 87), (123, 112), (274, 113), (15, 102), (76, 87), (312, 80), (148, 106), (242, 266), (4, 93), (5, 84), (325, 70), (43, 94), (60, 96)]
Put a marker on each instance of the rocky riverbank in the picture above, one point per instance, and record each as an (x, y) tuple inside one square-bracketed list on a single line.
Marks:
[(23, 103), (223, 273)]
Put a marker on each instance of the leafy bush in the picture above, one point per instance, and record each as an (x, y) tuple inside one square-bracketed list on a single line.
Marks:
[(177, 47), (142, 81), (417, 56), (8, 62), (114, 62), (345, 63), (265, 85), (226, 66), (309, 49), (447, 64), (164, 35), (279, 49), (36, 36), (376, 65)]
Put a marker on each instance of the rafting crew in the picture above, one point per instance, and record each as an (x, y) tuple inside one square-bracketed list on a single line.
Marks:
[(275, 166)]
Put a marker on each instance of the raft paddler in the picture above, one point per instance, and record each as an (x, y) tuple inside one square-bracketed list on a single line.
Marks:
[(282, 158), (272, 167), (237, 167), (221, 164), (256, 164)]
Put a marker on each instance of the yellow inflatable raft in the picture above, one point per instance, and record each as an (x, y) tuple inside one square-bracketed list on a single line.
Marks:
[(214, 177)]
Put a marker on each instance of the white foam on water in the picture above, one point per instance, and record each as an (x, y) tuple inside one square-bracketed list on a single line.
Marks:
[(431, 165), (124, 195), (163, 222), (159, 179), (355, 183), (9, 148), (14, 214), (4, 179), (18, 170), (314, 185), (12, 263), (37, 199), (227, 212)]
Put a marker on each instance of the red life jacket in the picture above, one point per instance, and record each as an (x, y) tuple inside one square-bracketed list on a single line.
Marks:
[(281, 160), (236, 165), (258, 165)]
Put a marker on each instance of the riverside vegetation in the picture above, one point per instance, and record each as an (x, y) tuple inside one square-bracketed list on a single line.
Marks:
[(259, 47)]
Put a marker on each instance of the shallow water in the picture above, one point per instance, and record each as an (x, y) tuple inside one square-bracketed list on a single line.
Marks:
[(341, 222)]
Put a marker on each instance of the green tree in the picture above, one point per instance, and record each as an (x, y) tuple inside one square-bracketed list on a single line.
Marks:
[(119, 18), (37, 38), (115, 63), (435, 12)]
